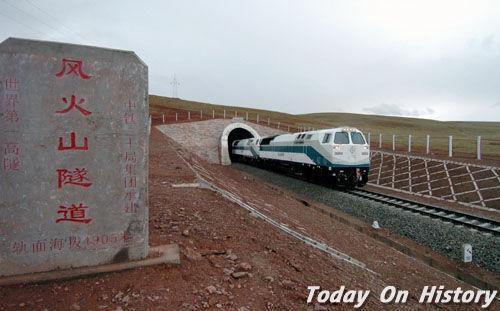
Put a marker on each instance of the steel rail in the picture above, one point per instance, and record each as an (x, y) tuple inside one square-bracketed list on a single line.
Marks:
[(482, 224)]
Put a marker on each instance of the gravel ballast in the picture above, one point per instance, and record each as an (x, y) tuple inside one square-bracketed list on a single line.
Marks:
[(444, 238)]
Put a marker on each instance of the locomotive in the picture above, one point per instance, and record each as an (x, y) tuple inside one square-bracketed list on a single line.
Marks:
[(337, 156)]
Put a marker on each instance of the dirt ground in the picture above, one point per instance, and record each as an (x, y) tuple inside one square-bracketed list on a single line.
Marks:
[(232, 260)]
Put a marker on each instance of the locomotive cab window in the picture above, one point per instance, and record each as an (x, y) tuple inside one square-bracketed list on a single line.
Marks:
[(327, 138), (357, 138), (309, 136), (341, 138)]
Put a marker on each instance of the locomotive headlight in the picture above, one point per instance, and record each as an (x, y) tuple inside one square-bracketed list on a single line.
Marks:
[(366, 147), (336, 147)]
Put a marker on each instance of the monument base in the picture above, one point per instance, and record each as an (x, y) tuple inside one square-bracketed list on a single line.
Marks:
[(163, 254)]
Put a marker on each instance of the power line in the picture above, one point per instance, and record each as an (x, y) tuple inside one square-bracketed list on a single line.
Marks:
[(33, 16), (55, 18), (22, 23)]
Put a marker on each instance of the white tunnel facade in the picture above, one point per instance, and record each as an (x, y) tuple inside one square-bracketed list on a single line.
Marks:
[(225, 140)]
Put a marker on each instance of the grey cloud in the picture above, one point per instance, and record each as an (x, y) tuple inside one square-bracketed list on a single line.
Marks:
[(296, 56), (488, 42), (395, 110)]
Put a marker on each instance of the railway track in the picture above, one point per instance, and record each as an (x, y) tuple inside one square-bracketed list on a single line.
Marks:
[(483, 225)]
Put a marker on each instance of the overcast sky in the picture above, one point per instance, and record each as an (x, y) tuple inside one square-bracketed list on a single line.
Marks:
[(432, 59)]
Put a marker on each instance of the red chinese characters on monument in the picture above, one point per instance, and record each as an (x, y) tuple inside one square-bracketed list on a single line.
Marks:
[(72, 144), (76, 213), (71, 243), (10, 100), (76, 177), (72, 67), (74, 105), (129, 118), (130, 161), (11, 157), (130, 179)]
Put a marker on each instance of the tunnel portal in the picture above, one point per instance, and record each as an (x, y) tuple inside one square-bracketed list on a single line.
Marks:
[(236, 134), (232, 132)]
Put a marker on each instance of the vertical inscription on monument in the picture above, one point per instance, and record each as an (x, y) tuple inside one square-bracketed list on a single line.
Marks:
[(74, 147)]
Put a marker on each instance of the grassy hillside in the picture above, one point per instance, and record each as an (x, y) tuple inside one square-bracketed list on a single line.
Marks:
[(464, 133)]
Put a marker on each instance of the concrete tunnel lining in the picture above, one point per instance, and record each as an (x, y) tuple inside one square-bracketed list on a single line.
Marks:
[(225, 157)]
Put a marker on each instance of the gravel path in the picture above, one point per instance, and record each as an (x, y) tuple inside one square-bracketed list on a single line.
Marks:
[(441, 237)]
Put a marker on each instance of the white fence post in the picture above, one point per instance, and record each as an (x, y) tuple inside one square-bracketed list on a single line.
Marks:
[(246, 115), (409, 143), (478, 147), (278, 125), (428, 144), (380, 140), (213, 113), (176, 117), (369, 138), (288, 130), (224, 114), (235, 113), (201, 114), (189, 115), (268, 121), (393, 142), (450, 146), (163, 118), (257, 119), (467, 248)]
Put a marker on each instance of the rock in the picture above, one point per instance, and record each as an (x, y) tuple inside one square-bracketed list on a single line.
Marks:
[(228, 271), (243, 309), (295, 265), (232, 257), (319, 307), (185, 233), (75, 307), (211, 289), (269, 279), (191, 254), (126, 299), (375, 225), (119, 295), (287, 284), (244, 266), (22, 304), (239, 275), (188, 307)]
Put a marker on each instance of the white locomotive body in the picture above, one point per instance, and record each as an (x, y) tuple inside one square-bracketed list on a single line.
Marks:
[(339, 155)]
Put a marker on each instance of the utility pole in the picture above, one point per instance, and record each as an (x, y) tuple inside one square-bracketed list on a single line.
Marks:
[(174, 83)]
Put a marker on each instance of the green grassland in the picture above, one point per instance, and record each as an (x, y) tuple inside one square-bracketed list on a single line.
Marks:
[(464, 133)]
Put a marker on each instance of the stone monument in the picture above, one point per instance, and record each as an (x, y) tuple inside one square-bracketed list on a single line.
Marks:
[(73, 156)]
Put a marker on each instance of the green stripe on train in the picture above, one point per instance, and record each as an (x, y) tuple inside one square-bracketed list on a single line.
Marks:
[(310, 151)]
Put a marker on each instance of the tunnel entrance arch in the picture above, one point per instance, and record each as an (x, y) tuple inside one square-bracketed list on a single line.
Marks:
[(232, 132)]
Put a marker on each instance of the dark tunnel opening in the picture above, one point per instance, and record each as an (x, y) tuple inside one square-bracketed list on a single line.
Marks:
[(236, 134)]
